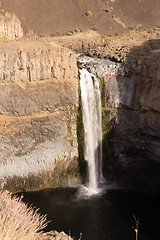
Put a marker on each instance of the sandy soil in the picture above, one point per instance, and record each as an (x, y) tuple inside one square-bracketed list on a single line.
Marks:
[(47, 17)]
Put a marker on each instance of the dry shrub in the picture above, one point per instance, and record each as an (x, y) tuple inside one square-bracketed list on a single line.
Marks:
[(89, 13), (31, 36), (19, 221)]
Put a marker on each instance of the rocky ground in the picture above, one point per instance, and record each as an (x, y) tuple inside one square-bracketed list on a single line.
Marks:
[(136, 49), (113, 47), (54, 235)]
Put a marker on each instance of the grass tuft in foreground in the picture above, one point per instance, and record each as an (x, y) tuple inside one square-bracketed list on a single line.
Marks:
[(19, 221)]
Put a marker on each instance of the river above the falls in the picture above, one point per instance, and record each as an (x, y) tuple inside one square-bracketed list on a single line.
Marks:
[(108, 216)]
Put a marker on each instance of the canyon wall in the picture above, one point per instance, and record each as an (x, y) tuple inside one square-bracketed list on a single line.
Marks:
[(135, 134), (131, 115), (38, 109)]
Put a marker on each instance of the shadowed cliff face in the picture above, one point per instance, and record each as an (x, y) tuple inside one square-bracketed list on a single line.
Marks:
[(134, 138)]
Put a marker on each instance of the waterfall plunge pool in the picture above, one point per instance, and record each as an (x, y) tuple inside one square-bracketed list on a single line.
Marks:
[(105, 215), (108, 216)]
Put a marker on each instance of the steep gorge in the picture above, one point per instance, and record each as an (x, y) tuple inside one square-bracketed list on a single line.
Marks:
[(39, 101), (39, 115)]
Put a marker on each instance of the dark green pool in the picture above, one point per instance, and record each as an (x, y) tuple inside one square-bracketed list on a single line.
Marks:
[(108, 216)]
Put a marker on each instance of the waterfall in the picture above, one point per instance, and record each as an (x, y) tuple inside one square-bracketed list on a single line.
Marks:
[(92, 122)]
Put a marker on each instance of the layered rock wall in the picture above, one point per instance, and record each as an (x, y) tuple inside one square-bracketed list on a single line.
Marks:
[(38, 85)]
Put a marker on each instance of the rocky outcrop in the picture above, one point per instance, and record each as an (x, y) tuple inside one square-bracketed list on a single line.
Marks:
[(81, 42), (54, 235), (131, 115), (10, 27), (38, 85), (102, 67)]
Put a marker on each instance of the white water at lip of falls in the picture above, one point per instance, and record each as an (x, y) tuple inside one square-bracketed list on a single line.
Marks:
[(92, 122)]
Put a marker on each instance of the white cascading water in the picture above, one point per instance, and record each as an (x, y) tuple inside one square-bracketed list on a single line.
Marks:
[(92, 121)]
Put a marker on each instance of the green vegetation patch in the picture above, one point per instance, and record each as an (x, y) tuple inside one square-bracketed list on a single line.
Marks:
[(80, 137)]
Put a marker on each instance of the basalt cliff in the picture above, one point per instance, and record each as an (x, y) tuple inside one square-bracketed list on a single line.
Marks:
[(41, 128), (38, 106)]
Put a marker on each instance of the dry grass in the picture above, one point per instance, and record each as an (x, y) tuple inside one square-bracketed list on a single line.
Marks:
[(18, 221)]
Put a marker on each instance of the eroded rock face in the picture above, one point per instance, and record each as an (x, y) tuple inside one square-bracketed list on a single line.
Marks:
[(38, 109), (10, 27), (131, 118), (33, 61)]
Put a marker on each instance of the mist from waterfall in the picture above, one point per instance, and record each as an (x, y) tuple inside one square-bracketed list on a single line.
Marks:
[(92, 122)]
